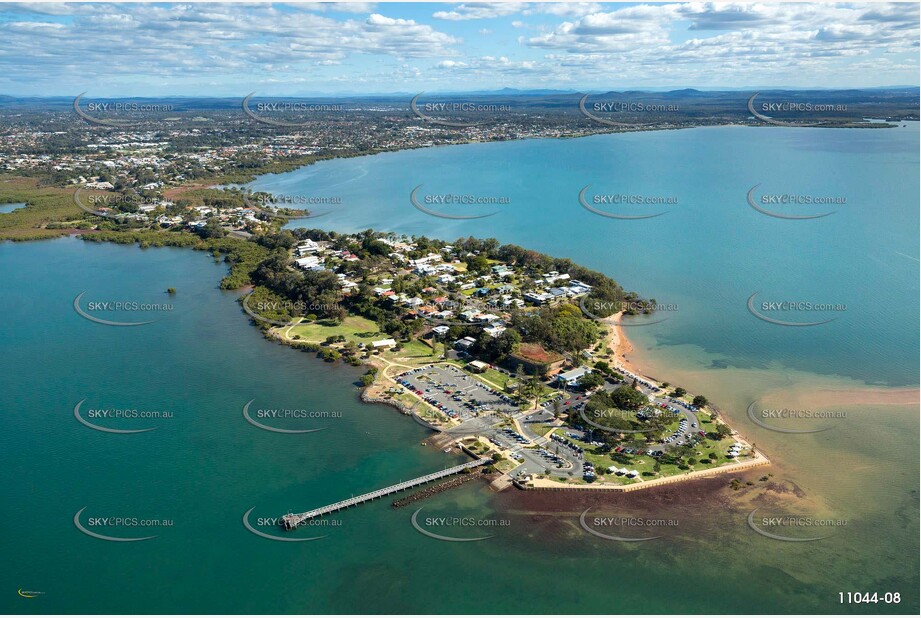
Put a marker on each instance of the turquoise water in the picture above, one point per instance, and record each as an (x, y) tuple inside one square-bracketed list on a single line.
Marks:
[(205, 466), (710, 252), (5, 208)]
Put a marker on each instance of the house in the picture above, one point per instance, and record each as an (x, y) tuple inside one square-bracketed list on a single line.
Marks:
[(465, 343), (309, 263), (307, 247), (538, 298), (383, 343), (102, 186), (441, 331), (478, 366), (470, 315)]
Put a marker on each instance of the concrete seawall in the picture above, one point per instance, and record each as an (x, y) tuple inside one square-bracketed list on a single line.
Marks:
[(547, 485)]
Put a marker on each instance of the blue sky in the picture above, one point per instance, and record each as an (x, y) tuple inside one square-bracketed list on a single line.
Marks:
[(111, 49)]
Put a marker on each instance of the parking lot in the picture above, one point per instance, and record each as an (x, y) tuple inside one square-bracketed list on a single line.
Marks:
[(454, 392)]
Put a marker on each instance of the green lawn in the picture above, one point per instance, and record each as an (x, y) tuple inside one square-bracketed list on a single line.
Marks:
[(349, 328), (413, 352), (645, 463), (497, 378)]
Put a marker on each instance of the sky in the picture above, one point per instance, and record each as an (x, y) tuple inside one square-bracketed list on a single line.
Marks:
[(193, 49)]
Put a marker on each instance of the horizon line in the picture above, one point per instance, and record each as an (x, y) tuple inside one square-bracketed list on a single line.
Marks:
[(649, 89)]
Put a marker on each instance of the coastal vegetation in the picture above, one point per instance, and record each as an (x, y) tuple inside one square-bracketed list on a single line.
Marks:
[(48, 213)]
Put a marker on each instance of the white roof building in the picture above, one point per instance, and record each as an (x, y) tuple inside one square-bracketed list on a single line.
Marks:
[(572, 376)]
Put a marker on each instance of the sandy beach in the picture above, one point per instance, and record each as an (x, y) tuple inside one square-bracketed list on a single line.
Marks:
[(619, 343)]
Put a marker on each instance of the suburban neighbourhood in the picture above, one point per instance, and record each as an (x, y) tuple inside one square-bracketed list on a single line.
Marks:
[(464, 342)]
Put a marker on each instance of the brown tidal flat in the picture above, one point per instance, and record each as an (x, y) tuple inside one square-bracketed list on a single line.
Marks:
[(691, 500)]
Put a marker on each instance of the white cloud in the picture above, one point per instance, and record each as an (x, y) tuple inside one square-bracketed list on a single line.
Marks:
[(480, 10), (70, 46)]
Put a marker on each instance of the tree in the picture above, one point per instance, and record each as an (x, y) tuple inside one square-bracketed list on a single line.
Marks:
[(589, 381), (478, 264), (330, 355), (212, 229), (627, 398), (679, 392), (700, 401), (603, 367)]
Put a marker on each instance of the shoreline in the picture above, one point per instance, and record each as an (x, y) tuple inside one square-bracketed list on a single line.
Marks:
[(378, 393)]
